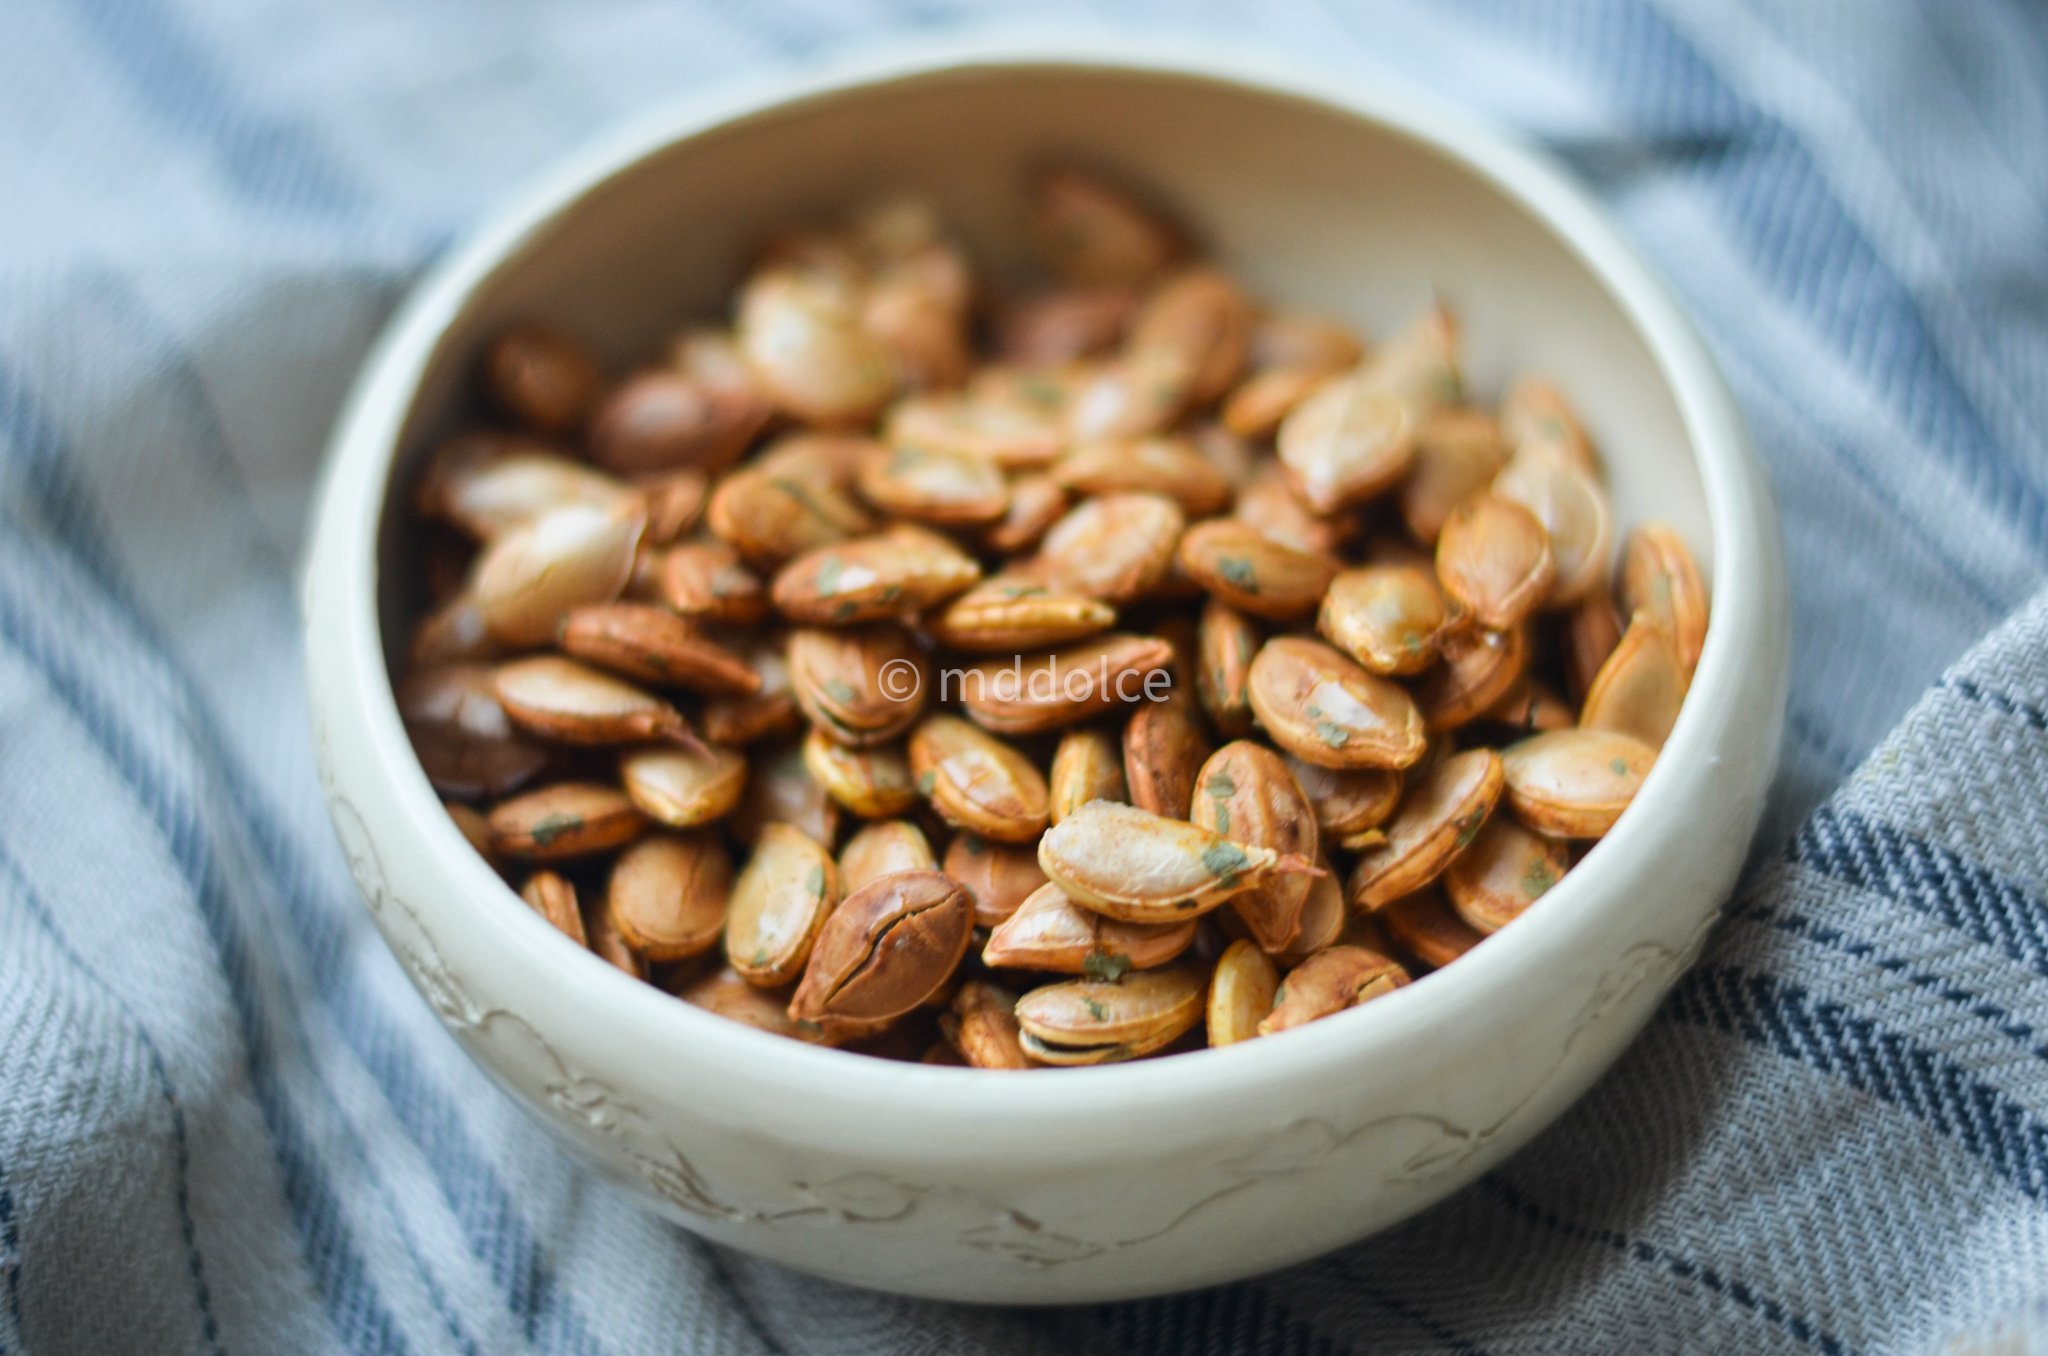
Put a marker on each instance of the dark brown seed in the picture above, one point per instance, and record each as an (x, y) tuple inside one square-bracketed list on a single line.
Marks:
[(663, 421), (1164, 748), (542, 377), (654, 645), (888, 947), (568, 819), (554, 899)]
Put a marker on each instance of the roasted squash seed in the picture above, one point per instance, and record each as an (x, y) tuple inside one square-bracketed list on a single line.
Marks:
[(817, 583)]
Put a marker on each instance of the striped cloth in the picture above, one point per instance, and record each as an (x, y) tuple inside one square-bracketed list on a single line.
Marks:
[(228, 1125)]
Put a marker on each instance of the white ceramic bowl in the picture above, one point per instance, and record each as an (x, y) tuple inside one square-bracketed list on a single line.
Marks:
[(1086, 1184)]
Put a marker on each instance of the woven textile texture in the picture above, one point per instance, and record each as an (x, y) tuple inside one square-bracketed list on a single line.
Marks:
[(227, 1124)]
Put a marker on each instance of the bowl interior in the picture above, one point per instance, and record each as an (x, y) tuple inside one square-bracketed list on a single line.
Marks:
[(1309, 205)]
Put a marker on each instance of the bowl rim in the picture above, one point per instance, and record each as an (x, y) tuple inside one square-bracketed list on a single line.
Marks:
[(1747, 581)]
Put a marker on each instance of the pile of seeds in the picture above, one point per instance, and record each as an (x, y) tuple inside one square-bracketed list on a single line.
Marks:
[(1064, 676)]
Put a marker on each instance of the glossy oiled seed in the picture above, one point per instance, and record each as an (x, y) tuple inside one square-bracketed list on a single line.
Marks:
[(1479, 669), (781, 790), (1270, 506), (674, 501), (1440, 815), (1164, 749), (1348, 801), (861, 685), (1246, 793), (554, 899), (1090, 1021), (605, 940), (1240, 993), (881, 849), (1164, 466), (1505, 870), (893, 574), (1014, 426), (890, 946), (1493, 559), (1011, 614), (1536, 415), (1575, 783), (1048, 931), (466, 743), (1322, 707), (1200, 318), (1144, 868), (1347, 441), (981, 1026), (1530, 707), (533, 575), (684, 787), (1659, 576), (977, 782), (1637, 692), (662, 421), (725, 992), (1116, 547), (654, 645), (572, 703), (1087, 765), (706, 582), (486, 483), (1226, 643), (1000, 876), (1423, 926), (1134, 395), (1387, 617), (668, 892), (1324, 919), (1586, 637), (1036, 503), (567, 819), (874, 782), (770, 516), (1252, 573), (778, 904), (542, 377), (802, 337), (1035, 693), (1330, 981), (946, 488), (769, 712), (1090, 234), (1573, 510), (1457, 454), (1256, 408), (454, 633)]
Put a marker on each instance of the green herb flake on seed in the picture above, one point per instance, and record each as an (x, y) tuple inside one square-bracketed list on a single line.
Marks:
[(1538, 878), (1240, 572), (1224, 861), (1619, 767), (554, 826), (1097, 1011), (1106, 966), (841, 691), (815, 882)]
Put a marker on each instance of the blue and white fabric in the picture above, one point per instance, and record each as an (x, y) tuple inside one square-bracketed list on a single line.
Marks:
[(227, 1125)]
